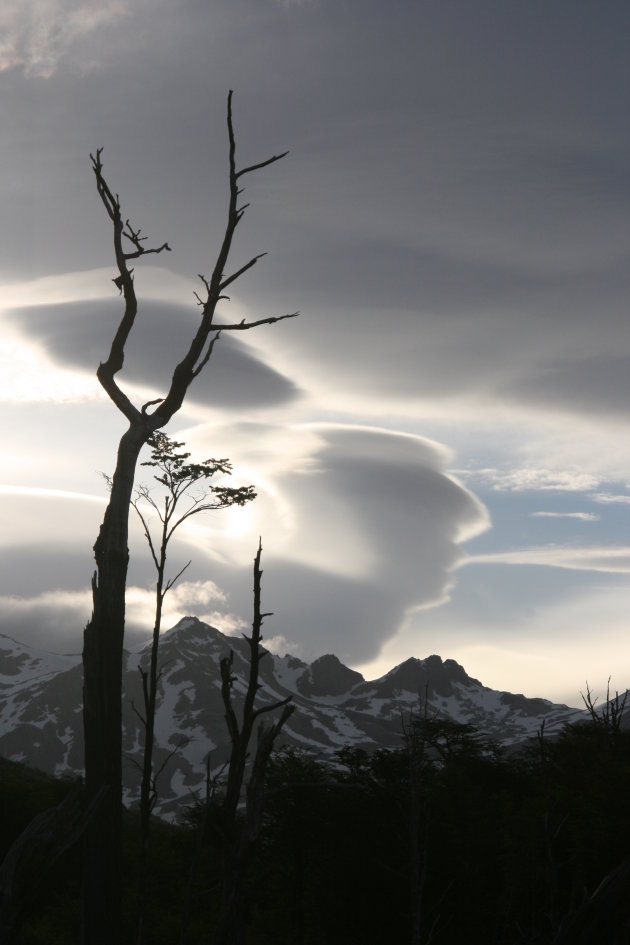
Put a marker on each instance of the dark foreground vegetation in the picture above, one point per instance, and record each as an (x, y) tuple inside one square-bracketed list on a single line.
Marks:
[(446, 840)]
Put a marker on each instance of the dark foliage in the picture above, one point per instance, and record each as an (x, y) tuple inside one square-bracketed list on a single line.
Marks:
[(512, 848)]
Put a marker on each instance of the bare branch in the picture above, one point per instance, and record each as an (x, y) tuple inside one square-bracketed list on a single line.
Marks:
[(145, 525), (257, 167), (172, 581), (239, 272), (206, 356), (274, 705), (227, 681), (134, 761), (195, 359), (205, 282), (134, 237), (182, 744), (244, 326), (138, 713), (108, 369)]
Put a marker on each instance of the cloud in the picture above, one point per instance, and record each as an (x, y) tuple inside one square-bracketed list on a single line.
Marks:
[(532, 479), (27, 375), (369, 528), (34, 516), (581, 516), (52, 620), (611, 560), (78, 334), (539, 630), (203, 599), (607, 498), (37, 492), (480, 274), (587, 385), (359, 526), (88, 284), (38, 34)]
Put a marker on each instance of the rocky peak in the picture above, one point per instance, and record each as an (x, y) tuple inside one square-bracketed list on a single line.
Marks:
[(431, 675), (328, 676)]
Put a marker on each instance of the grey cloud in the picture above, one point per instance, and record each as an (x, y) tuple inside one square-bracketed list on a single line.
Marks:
[(555, 344), (411, 511), (411, 517), (452, 216), (47, 624), (45, 567), (393, 121), (45, 598), (79, 334), (589, 385), (323, 613), (492, 604)]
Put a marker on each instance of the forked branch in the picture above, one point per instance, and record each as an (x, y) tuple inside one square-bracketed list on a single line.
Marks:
[(207, 333), (108, 369)]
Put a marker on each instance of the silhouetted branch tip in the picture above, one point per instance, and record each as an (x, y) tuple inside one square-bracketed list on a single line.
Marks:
[(245, 326), (257, 167)]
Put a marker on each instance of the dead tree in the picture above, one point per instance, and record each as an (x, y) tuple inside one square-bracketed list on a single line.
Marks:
[(103, 636), (181, 479), (609, 716), (240, 833)]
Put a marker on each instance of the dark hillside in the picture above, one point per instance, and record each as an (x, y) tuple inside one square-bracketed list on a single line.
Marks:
[(444, 841)]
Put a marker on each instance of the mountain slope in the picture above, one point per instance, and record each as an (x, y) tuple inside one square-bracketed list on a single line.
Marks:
[(40, 706)]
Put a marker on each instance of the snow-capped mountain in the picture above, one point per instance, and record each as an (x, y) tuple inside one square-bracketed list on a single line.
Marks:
[(41, 698)]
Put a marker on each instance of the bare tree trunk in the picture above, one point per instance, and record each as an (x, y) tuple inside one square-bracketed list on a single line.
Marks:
[(102, 719)]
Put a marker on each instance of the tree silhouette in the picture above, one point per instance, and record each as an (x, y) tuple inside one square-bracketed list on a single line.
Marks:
[(103, 636), (188, 492), (239, 837)]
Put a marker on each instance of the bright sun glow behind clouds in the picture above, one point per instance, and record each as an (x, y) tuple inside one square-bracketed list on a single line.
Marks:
[(27, 375)]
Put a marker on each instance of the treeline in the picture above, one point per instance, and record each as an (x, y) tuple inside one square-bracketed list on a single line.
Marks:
[(446, 840)]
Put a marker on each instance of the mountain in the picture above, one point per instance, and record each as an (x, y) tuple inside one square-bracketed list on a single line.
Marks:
[(41, 699)]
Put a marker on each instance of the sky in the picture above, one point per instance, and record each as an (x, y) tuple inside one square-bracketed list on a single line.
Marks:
[(439, 441)]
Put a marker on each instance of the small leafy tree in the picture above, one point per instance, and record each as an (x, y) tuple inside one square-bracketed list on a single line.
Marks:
[(188, 493)]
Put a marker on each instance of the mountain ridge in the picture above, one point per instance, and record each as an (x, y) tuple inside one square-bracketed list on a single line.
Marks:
[(41, 699)]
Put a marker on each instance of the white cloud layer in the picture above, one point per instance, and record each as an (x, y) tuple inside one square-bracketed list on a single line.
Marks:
[(578, 516), (609, 560), (534, 479), (37, 34)]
